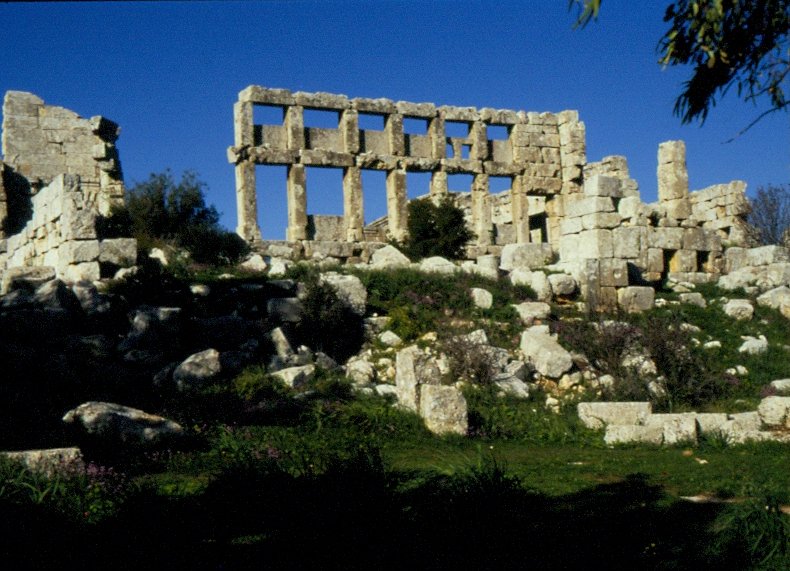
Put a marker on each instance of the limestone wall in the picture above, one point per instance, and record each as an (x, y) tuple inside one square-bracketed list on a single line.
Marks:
[(542, 155), (59, 173), (40, 142)]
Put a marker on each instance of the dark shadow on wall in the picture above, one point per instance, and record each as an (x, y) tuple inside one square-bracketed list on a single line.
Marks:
[(19, 203)]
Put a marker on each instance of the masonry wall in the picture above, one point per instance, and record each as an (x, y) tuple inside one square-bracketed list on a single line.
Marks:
[(542, 155), (58, 175)]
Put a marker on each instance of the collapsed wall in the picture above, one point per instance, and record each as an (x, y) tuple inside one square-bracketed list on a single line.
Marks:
[(590, 214), (59, 174)]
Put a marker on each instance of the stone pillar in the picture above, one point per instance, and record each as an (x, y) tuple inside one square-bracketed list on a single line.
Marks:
[(673, 180), (438, 185), (353, 210), (243, 126), (297, 203), (393, 127), (438, 138), (3, 203), (519, 207), (349, 129), (479, 139), (396, 204), (481, 210), (294, 127), (246, 202)]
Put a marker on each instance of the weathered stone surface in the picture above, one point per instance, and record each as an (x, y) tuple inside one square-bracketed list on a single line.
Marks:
[(29, 278), (482, 298), (197, 370), (360, 371), (781, 386), (119, 251), (295, 377), (546, 355), (54, 294), (636, 298), (525, 256), (437, 265), (389, 257), (254, 263), (740, 309), (117, 424), (390, 339), (444, 409), (349, 289), (676, 428), (50, 462), (712, 423), (775, 411), (694, 298), (513, 387), (633, 434), (596, 415), (529, 311), (753, 345), (777, 298), (414, 367), (562, 284)]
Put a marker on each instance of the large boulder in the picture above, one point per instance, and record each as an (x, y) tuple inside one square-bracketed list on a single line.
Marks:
[(444, 410), (777, 298), (525, 256), (546, 354), (389, 257), (739, 309), (438, 265), (482, 298), (117, 424), (197, 370), (775, 411), (349, 289), (529, 311)]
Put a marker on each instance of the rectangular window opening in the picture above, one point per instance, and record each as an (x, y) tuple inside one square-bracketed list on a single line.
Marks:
[(321, 119), (268, 114), (324, 187), (497, 184), (498, 132), (271, 192), (374, 194), (456, 129), (371, 122), (538, 228), (415, 126), (460, 182), (418, 184)]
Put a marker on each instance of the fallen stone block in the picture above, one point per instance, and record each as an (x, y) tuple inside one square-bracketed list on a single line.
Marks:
[(739, 309), (116, 424), (596, 415), (50, 462), (197, 370), (633, 434), (546, 354), (635, 299), (295, 377), (676, 428), (444, 410), (775, 411)]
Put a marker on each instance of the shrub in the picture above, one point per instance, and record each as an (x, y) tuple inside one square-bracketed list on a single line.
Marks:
[(436, 229), (469, 361), (161, 209)]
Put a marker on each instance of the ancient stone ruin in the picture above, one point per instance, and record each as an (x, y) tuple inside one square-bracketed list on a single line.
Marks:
[(587, 216), (59, 174)]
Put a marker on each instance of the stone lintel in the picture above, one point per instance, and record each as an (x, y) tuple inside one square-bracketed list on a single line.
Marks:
[(466, 166), (266, 96), (417, 110), (494, 168), (379, 106), (418, 164), (377, 162), (464, 114), (312, 157), (498, 116), (322, 100), (266, 155)]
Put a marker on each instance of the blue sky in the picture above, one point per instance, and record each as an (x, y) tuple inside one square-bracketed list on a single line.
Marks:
[(169, 73)]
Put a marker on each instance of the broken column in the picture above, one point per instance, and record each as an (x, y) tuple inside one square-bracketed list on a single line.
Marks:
[(297, 203), (353, 209), (396, 204), (673, 180), (481, 210)]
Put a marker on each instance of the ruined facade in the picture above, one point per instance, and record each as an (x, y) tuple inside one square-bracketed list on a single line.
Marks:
[(58, 174), (589, 213)]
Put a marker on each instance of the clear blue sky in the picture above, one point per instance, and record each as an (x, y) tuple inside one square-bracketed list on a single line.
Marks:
[(169, 73)]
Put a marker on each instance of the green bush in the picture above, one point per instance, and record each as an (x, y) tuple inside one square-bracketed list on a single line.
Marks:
[(436, 229), (161, 209)]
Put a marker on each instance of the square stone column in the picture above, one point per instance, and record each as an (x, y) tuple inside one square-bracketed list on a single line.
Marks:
[(673, 180), (396, 204), (438, 138), (438, 185), (247, 202), (349, 130), (353, 209), (243, 126), (478, 136), (294, 127), (297, 203), (481, 210), (393, 127), (519, 207)]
